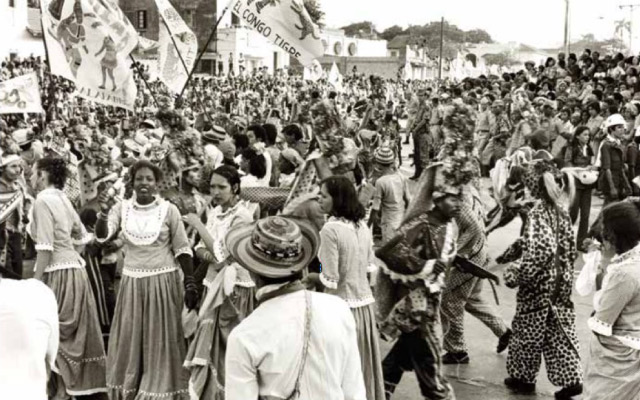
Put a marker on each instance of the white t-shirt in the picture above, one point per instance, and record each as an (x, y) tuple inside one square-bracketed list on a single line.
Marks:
[(29, 337)]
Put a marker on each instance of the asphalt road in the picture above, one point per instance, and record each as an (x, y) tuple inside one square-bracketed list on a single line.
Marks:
[(483, 377)]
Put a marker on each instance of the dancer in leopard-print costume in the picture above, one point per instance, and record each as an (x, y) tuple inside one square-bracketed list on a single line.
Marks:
[(544, 324)]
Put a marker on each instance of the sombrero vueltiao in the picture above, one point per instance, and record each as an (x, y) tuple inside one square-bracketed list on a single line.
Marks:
[(274, 247)]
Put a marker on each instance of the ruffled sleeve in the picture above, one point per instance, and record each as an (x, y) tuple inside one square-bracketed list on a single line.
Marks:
[(329, 256), (179, 240), (617, 290), (43, 225)]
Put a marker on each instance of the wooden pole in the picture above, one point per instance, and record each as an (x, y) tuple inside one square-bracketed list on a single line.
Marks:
[(204, 49), (567, 38), (441, 49)]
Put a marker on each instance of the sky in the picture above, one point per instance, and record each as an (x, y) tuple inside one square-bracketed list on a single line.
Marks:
[(538, 23)]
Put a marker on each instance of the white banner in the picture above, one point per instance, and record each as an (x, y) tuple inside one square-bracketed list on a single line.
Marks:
[(172, 71), (313, 72), (286, 23), (89, 42), (20, 95)]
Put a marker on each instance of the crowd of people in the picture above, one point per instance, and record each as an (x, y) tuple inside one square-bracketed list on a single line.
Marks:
[(255, 237)]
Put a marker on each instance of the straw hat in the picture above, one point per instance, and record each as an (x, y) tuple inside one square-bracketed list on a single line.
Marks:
[(216, 134), (274, 247)]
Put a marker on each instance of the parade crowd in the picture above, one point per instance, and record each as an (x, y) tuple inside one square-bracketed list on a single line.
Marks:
[(256, 237)]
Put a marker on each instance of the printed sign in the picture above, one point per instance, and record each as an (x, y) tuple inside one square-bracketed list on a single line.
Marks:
[(20, 95)]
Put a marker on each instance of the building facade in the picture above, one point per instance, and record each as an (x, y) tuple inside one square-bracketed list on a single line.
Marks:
[(21, 32), (199, 15)]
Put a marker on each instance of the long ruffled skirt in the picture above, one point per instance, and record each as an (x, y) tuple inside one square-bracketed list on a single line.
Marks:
[(146, 345), (80, 363), (369, 347), (220, 313)]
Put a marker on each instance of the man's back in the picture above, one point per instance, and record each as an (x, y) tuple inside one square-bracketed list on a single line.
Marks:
[(264, 352), (28, 338)]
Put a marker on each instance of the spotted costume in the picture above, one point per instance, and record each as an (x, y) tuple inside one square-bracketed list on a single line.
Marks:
[(542, 270)]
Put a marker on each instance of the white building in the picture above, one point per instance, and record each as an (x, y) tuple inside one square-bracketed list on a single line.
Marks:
[(243, 47), (15, 17)]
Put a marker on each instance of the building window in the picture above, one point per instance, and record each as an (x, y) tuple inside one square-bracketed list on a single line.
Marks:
[(190, 17), (12, 3), (394, 54), (142, 19)]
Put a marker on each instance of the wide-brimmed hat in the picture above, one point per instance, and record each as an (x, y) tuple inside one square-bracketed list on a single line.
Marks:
[(22, 136), (148, 123), (7, 159), (274, 247)]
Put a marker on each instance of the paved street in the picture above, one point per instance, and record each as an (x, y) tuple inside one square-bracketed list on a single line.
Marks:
[(482, 378)]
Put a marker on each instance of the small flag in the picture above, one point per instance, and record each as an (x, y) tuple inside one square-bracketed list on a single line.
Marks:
[(20, 95), (171, 68)]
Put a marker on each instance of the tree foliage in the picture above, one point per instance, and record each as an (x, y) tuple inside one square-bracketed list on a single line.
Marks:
[(357, 28), (503, 59), (589, 41), (315, 12), (391, 32)]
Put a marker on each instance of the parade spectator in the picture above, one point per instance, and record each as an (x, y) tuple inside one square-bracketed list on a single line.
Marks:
[(613, 180), (317, 355), (614, 362), (580, 155)]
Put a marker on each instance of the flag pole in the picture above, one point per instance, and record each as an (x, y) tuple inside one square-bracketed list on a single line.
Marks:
[(206, 45), (186, 69)]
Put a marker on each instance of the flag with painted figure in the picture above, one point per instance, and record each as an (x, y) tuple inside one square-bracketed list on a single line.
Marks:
[(286, 23), (89, 42), (20, 95), (176, 56), (313, 72)]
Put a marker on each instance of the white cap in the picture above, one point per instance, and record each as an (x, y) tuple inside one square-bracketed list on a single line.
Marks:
[(613, 120)]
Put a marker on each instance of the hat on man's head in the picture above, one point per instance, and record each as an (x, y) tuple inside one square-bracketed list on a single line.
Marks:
[(216, 134), (22, 136), (274, 247), (7, 159), (148, 123), (384, 155)]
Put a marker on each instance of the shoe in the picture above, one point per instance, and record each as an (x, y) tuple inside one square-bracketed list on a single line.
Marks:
[(456, 358), (568, 392), (519, 386), (503, 342)]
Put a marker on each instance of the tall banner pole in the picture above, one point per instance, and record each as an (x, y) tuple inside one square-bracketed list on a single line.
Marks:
[(441, 46), (206, 45), (184, 64)]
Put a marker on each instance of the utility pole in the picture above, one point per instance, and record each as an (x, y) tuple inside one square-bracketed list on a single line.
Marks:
[(567, 35), (631, 7), (441, 46)]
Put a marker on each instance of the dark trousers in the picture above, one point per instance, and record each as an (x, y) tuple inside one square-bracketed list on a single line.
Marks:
[(417, 161), (419, 352), (14, 252), (581, 207), (108, 275)]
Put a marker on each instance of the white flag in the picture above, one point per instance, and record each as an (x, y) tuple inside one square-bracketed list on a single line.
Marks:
[(20, 95), (286, 23), (313, 72), (335, 79), (89, 42), (172, 71)]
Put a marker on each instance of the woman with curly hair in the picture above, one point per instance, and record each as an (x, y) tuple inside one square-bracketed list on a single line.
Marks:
[(544, 323), (146, 344), (223, 307), (56, 230)]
